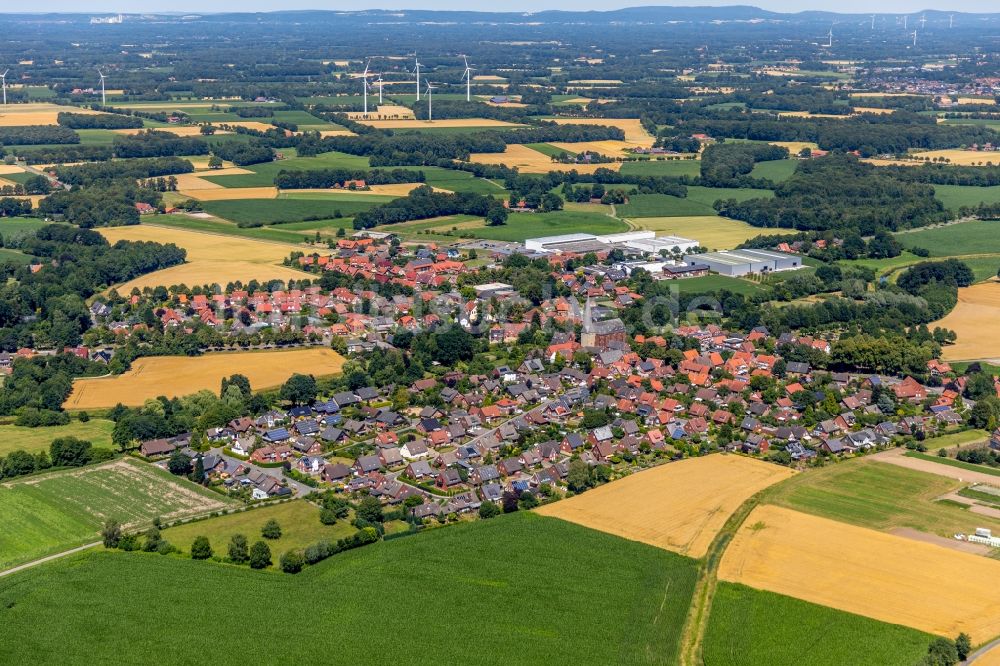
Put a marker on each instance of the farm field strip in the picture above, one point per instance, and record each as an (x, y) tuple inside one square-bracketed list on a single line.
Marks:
[(861, 571), (678, 506), (33, 440), (175, 376), (974, 319), (713, 232), (529, 160)]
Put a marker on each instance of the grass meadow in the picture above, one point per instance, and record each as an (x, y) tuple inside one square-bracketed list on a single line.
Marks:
[(977, 237), (653, 167), (278, 211), (263, 174), (956, 196), (33, 440), (517, 585), (752, 627)]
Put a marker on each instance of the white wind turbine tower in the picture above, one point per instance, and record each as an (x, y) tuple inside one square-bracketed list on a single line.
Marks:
[(379, 82), (430, 100), (468, 80), (416, 67), (364, 86), (914, 37), (923, 21), (951, 20), (3, 77), (829, 38), (104, 99), (904, 21), (873, 21)]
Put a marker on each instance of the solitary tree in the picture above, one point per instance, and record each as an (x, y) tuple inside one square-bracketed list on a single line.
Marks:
[(963, 645), (488, 510), (292, 562), (111, 533), (260, 555), (201, 549), (299, 389)]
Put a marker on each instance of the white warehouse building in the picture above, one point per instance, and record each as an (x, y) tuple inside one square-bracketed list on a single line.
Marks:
[(742, 262), (637, 241)]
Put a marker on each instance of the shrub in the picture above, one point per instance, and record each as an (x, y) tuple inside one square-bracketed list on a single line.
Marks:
[(238, 553), (328, 517), (292, 562), (488, 510), (271, 530), (111, 533), (318, 552)]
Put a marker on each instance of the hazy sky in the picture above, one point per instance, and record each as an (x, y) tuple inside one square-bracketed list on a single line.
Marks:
[(860, 6)]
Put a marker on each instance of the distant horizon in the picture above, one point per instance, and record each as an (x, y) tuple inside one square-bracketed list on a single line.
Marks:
[(515, 6)]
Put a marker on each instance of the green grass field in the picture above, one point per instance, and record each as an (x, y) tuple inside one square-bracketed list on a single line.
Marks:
[(13, 256), (955, 196), (662, 205), (752, 627), (530, 225), (263, 174), (976, 237), (709, 195), (711, 283), (776, 170), (878, 495), (33, 440), (57, 511), (521, 588), (962, 438), (277, 211), (654, 167), (459, 181), (230, 229), (15, 227), (299, 521)]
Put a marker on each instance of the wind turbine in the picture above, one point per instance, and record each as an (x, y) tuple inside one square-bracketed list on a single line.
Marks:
[(951, 20), (3, 77), (914, 37), (104, 99), (873, 21), (829, 38), (417, 67), (923, 21), (905, 17), (364, 85), (379, 82), (430, 101), (468, 80)]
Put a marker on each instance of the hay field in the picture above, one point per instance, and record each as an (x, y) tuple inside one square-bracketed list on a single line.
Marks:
[(635, 133), (806, 114), (795, 147), (611, 148), (250, 124), (9, 168), (201, 164), (14, 115), (716, 233), (194, 181), (528, 160), (403, 123), (211, 258), (975, 320), (183, 130), (873, 109), (961, 157), (678, 506), (886, 577), (220, 193), (989, 101), (175, 376)]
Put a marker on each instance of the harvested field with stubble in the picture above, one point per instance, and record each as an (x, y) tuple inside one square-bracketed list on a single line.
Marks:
[(404, 123), (175, 376), (16, 115), (886, 577), (635, 133), (52, 512), (974, 319), (679, 506), (211, 258), (529, 160), (960, 157), (179, 130)]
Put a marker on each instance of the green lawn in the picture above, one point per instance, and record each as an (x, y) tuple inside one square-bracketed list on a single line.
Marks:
[(955, 196), (776, 170), (530, 225), (956, 439), (751, 627), (976, 237), (655, 167), (515, 589), (276, 211), (15, 227), (299, 521), (95, 431), (712, 283), (13, 256), (459, 181), (263, 174), (662, 205), (709, 195), (878, 495), (57, 511)]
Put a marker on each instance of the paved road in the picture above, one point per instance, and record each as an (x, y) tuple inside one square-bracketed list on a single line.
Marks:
[(35, 563), (39, 172), (300, 489), (993, 647)]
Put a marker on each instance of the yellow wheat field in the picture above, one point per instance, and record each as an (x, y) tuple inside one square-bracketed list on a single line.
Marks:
[(201, 164), (873, 109), (678, 506), (326, 133), (610, 148), (528, 160), (179, 130), (712, 231), (15, 115), (961, 157), (9, 168), (890, 578), (196, 181), (404, 123), (211, 258), (975, 319), (175, 376), (635, 133), (795, 147), (250, 124)]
